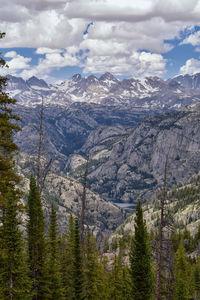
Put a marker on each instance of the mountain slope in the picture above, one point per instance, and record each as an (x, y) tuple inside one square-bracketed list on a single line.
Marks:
[(131, 164), (181, 209), (101, 216)]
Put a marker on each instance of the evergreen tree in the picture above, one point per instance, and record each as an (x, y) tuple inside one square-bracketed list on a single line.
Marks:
[(181, 282), (78, 278), (14, 277), (36, 243), (67, 260), (56, 291), (94, 279), (8, 176), (126, 284), (140, 260), (91, 267), (116, 292), (197, 280)]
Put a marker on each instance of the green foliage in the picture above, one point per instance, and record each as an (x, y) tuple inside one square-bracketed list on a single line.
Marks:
[(66, 260), (8, 177), (78, 278), (54, 276), (14, 282), (91, 269), (182, 275), (36, 242), (14, 279), (120, 281), (196, 276), (95, 287), (140, 260)]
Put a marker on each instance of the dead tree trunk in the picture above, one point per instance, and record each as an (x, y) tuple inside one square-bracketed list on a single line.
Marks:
[(41, 172), (38, 172), (161, 235), (83, 203)]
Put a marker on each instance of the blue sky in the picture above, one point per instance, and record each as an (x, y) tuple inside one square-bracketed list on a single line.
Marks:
[(54, 39)]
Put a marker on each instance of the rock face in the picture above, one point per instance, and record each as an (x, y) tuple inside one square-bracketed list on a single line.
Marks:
[(189, 81), (126, 164), (67, 128)]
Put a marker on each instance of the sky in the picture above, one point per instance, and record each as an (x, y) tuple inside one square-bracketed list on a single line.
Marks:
[(55, 39)]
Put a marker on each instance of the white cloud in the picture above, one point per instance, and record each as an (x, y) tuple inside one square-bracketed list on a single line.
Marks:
[(121, 30), (44, 50), (191, 67), (138, 64), (48, 24), (134, 11), (193, 39), (16, 64), (52, 60), (48, 29), (17, 61), (10, 54)]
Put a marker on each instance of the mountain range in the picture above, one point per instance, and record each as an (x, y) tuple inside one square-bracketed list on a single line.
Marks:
[(127, 128), (150, 93)]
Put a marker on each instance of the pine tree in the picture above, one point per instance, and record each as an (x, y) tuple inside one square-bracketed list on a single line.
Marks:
[(14, 278), (66, 259), (8, 176), (93, 275), (126, 284), (116, 291), (197, 280), (181, 282), (36, 242), (78, 278), (140, 260), (12, 269), (55, 286)]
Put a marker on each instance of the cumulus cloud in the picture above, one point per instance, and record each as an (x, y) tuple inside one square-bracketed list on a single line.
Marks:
[(135, 11), (45, 24), (17, 61), (138, 64), (48, 29), (191, 67), (120, 33), (52, 60)]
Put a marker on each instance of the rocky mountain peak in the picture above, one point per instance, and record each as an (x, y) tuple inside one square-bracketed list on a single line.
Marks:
[(34, 81), (189, 81), (76, 77), (151, 93), (16, 83), (107, 76), (92, 79)]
